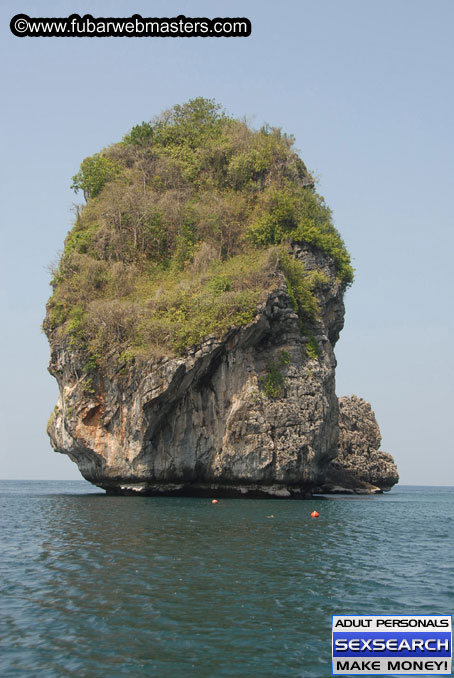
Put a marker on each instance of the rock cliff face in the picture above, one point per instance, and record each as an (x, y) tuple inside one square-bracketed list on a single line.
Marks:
[(360, 465), (205, 422)]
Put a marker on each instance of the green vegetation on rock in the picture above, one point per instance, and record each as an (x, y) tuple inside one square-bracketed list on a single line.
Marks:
[(187, 221), (273, 383)]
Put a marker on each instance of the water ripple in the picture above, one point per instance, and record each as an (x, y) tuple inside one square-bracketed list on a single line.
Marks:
[(95, 586)]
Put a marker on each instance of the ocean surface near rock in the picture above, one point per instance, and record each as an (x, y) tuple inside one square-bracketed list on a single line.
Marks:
[(195, 311)]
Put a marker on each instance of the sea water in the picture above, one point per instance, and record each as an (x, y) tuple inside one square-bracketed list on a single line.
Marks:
[(95, 586)]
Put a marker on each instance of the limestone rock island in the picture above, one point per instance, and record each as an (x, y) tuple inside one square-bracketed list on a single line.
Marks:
[(194, 315)]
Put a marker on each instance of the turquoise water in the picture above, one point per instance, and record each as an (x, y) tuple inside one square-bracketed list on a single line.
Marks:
[(95, 586)]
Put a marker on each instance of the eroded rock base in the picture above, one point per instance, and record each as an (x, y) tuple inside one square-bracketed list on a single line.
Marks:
[(209, 490)]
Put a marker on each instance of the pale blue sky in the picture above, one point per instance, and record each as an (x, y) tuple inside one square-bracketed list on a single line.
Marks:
[(365, 86)]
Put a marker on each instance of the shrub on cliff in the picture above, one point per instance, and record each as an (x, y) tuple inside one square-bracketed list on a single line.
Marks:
[(181, 232)]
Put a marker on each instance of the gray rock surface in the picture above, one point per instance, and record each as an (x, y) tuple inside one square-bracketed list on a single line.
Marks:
[(360, 466), (202, 423)]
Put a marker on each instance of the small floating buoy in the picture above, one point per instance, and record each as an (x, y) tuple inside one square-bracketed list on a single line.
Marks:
[(314, 514), (214, 501)]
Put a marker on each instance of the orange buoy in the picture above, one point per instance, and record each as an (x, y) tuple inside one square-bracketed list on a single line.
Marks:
[(214, 501), (314, 514)]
